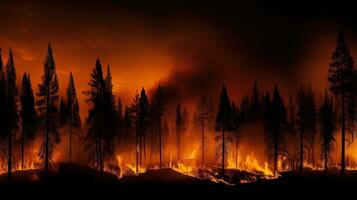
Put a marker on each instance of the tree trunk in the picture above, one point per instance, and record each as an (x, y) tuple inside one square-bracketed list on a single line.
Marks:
[(223, 150), (137, 149), (301, 148), (178, 138), (326, 157), (276, 151), (203, 141), (70, 137), (144, 146), (47, 129), (343, 164), (22, 149), (237, 147), (160, 143), (9, 169), (97, 152), (313, 149)]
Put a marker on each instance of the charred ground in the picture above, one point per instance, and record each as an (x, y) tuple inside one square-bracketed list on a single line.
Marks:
[(83, 181)]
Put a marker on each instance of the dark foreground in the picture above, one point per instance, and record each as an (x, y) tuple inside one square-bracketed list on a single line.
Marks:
[(161, 184)]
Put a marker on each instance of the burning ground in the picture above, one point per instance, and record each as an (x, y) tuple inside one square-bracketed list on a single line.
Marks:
[(78, 180)]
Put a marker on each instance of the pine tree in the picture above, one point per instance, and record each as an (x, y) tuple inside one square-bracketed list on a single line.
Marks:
[(110, 118), (143, 121), (203, 116), (237, 122), (224, 123), (279, 121), (326, 119), (292, 131), (11, 106), (74, 119), (157, 115), (181, 126), (28, 115), (301, 124), (135, 110), (311, 119), (267, 121), (120, 125), (340, 78), (3, 118), (95, 120), (48, 107)]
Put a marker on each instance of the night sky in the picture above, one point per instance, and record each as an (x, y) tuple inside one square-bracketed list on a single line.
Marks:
[(189, 47)]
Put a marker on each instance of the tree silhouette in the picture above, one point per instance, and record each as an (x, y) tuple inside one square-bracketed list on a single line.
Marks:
[(11, 106), (144, 109), (135, 110), (95, 120), (237, 122), (267, 120), (28, 115), (278, 123), (203, 116), (181, 126), (310, 123), (110, 118), (47, 105), (224, 123), (157, 114), (292, 131), (120, 125), (341, 80), (326, 119), (74, 119), (3, 118)]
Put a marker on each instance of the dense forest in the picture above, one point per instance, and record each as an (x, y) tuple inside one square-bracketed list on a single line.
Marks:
[(298, 131)]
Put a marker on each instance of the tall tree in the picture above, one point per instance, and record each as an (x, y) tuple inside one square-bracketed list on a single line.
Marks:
[(237, 122), (135, 110), (27, 114), (292, 131), (158, 112), (95, 118), (120, 125), (224, 123), (11, 106), (48, 107), (203, 116), (340, 78), (181, 126), (326, 119), (74, 119), (311, 119), (110, 118), (143, 121), (278, 122), (301, 121), (3, 118)]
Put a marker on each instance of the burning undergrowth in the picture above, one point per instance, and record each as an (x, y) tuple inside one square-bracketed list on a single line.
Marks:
[(249, 170)]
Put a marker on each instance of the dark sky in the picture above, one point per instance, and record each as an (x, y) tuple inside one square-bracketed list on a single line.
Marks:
[(189, 46)]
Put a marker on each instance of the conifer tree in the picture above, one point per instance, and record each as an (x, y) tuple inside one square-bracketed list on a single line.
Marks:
[(11, 106), (341, 84), (224, 123), (47, 104), (28, 115)]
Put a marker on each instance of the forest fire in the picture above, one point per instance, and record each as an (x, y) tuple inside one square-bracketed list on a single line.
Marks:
[(120, 98)]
